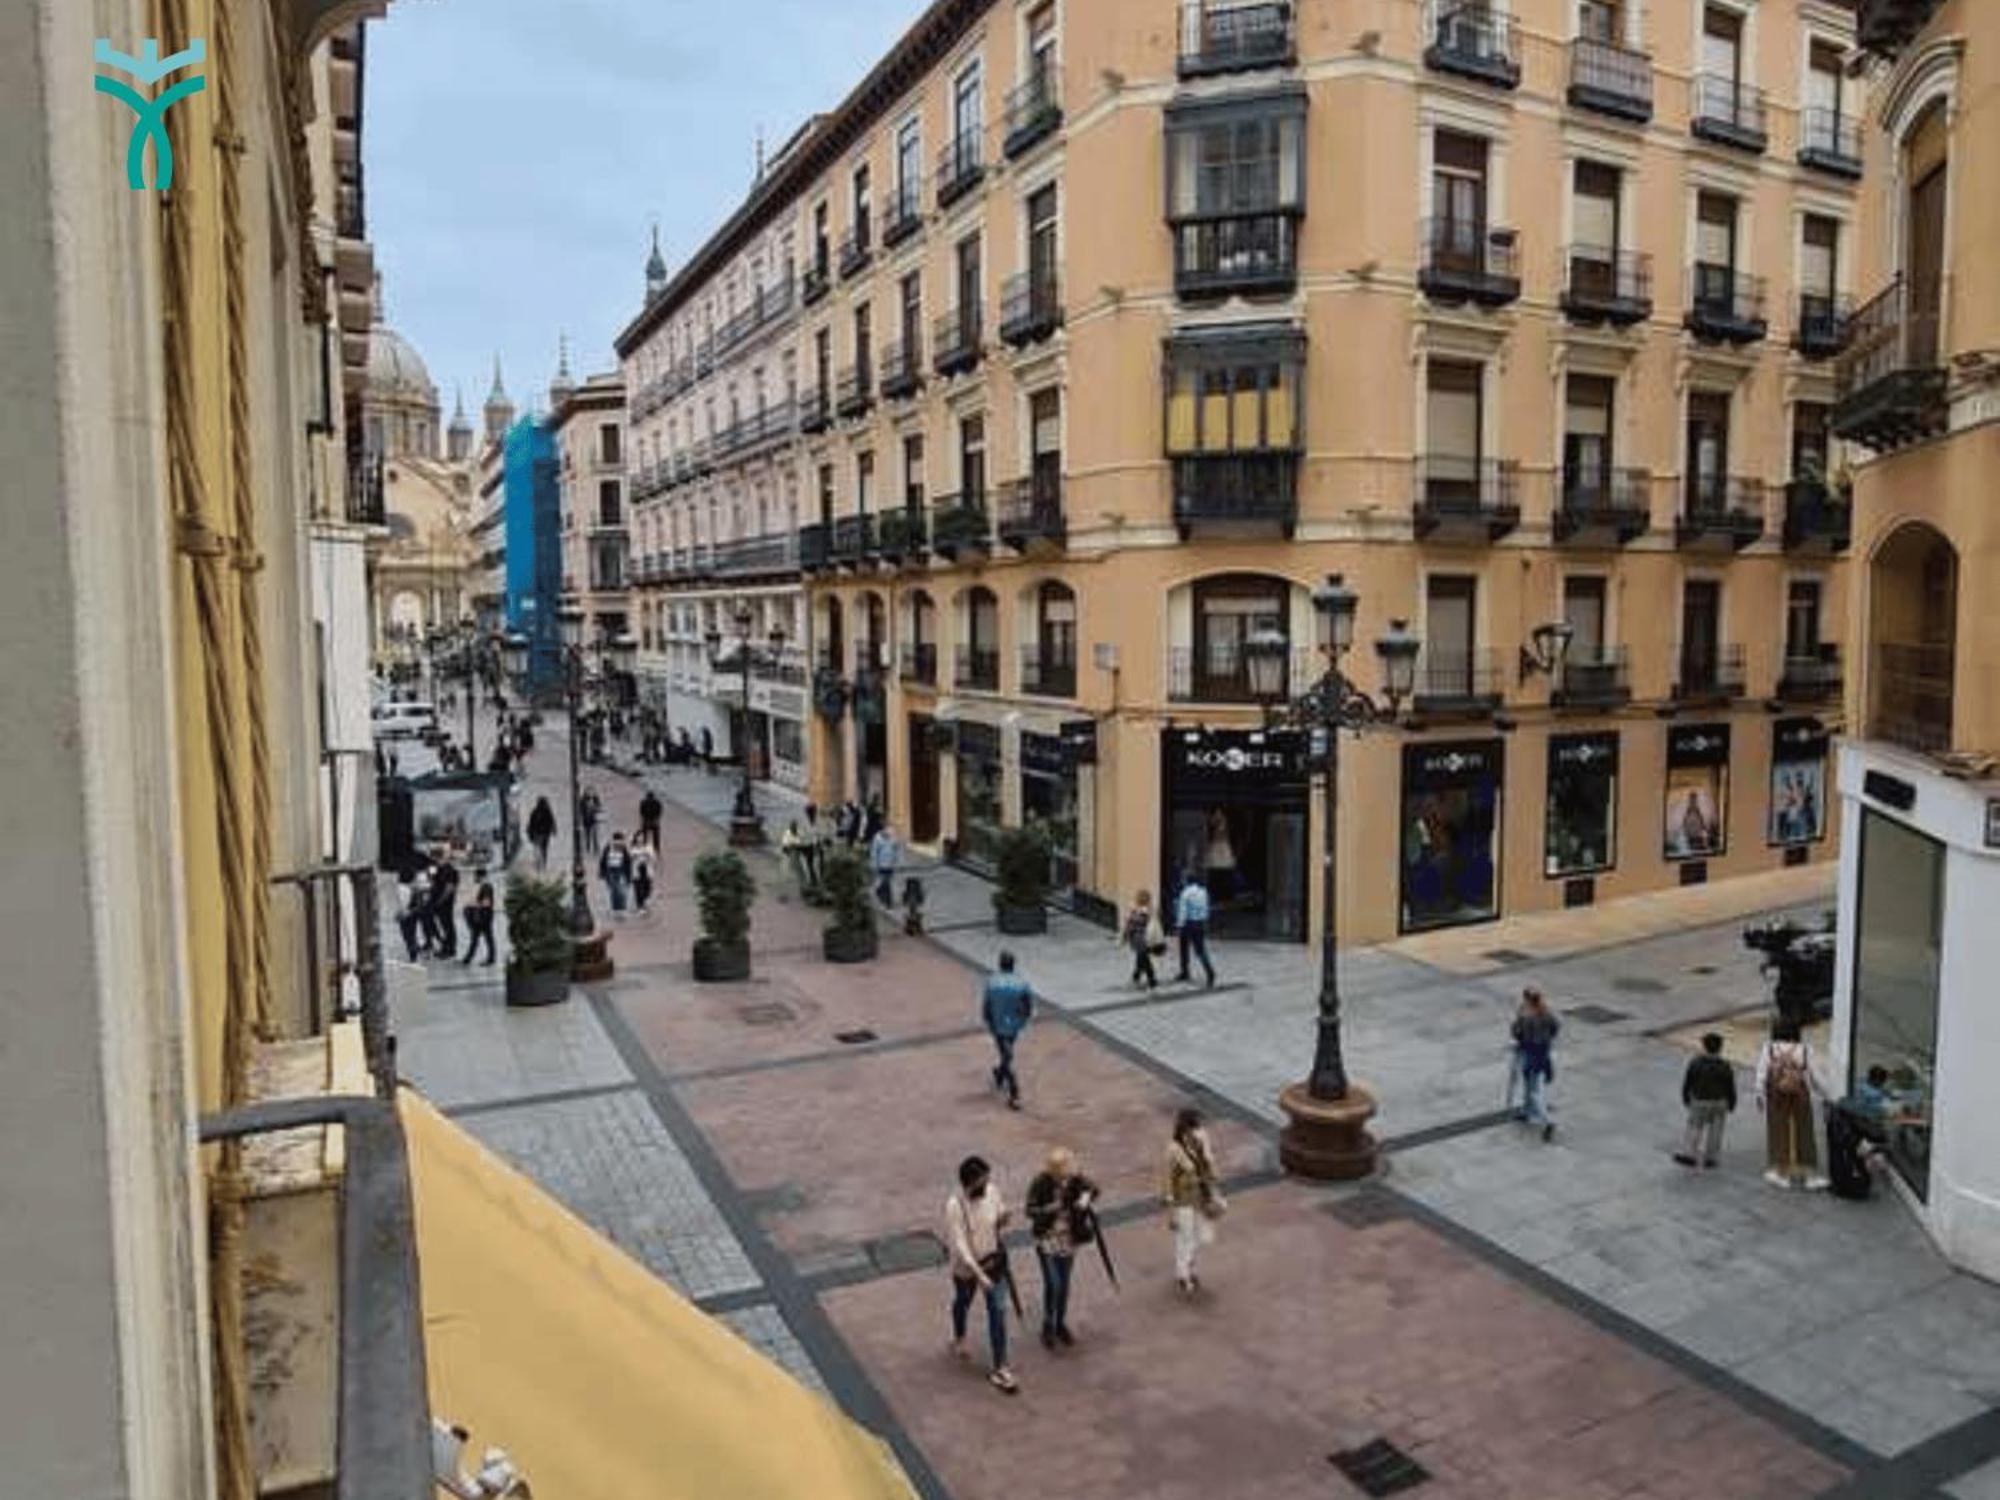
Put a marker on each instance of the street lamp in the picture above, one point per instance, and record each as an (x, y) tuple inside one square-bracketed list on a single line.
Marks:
[(1327, 1136), (1548, 648), (746, 828), (581, 922)]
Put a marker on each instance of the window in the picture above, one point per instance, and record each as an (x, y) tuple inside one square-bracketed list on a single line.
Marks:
[(969, 283), (1055, 639), (1701, 632), (860, 205), (1819, 264), (1598, 232), (1042, 44), (1042, 238), (1236, 160), (1900, 920), (1458, 197), (861, 343), (1811, 440), (1601, 21), (1802, 599), (1250, 406), (1707, 450), (909, 167), (1450, 630), (1453, 406), (1587, 413), (965, 109), (610, 512), (822, 248), (1714, 243), (972, 460), (1824, 67), (912, 301), (823, 360), (1045, 439), (1585, 612), (913, 471), (1722, 44), (864, 483), (1226, 611), (826, 494), (608, 451), (1925, 167)]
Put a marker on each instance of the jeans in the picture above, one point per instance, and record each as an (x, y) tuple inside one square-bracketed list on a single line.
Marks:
[(1535, 1103), (1194, 940), (885, 887), (444, 929), (642, 890), (478, 926), (1003, 1072), (1055, 1288), (411, 926), (590, 835), (617, 885), (1142, 968), (1706, 1117), (962, 1293)]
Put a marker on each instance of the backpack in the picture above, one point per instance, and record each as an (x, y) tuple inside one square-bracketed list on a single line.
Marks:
[(1788, 1076)]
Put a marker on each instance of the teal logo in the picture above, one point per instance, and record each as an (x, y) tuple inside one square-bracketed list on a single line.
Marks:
[(151, 125)]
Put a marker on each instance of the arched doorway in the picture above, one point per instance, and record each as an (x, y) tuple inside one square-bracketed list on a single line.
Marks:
[(1912, 634)]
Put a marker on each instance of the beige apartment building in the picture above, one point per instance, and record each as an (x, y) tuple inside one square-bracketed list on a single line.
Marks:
[(589, 425), (1121, 327)]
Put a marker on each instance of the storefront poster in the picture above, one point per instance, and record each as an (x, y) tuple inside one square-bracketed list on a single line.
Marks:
[(1798, 782), (1451, 833), (1696, 805), (1236, 819), (1581, 831)]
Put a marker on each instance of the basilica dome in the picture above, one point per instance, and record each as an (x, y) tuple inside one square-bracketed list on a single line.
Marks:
[(395, 368)]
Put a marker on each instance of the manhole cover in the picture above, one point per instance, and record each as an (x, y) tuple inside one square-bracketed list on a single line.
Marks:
[(917, 1251), (1634, 984), (1380, 1468), (855, 1038), (1365, 1210), (766, 1013), (1596, 1015), (1508, 955)]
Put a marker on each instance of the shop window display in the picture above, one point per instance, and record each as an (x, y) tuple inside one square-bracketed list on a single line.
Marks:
[(1049, 801), (978, 794), (1696, 807), (1236, 818), (1900, 917), (1798, 782), (1451, 834), (1581, 835)]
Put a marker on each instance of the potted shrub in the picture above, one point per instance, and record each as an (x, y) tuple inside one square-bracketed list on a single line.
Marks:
[(538, 941), (723, 891), (1021, 862), (850, 936)]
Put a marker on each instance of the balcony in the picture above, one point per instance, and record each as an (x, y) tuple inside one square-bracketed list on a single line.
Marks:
[(857, 248), (902, 370), (814, 554), (1706, 673), (1219, 674), (1812, 677), (961, 166), (960, 527), (1821, 332), (1031, 513), (786, 665), (918, 662), (1727, 112), (1723, 513), (1592, 677), (903, 535), (902, 215), (1607, 286), (977, 668), (1467, 38), (1830, 141), (1889, 383), (853, 544), (1725, 306), (815, 415), (1886, 27), (1030, 308), (1466, 260), (365, 505), (955, 340), (1465, 499), (1034, 110), (767, 304), (1256, 490), (748, 557), (1457, 684), (816, 282), (1241, 254), (1913, 696), (1818, 518), (1610, 79), (1602, 506), (855, 391), (1235, 38), (1047, 675)]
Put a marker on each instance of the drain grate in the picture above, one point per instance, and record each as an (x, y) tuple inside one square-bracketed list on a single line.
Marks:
[(1365, 1210), (1596, 1015), (1380, 1468), (1509, 956), (766, 1013), (1703, 969), (1637, 984), (856, 1038), (916, 1251)]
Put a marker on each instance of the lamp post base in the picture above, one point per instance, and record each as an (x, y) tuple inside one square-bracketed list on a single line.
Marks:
[(590, 958), (1327, 1139), (746, 831)]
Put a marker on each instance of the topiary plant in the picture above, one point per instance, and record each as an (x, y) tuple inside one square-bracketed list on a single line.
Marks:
[(537, 924), (850, 935), (1021, 865), (723, 891)]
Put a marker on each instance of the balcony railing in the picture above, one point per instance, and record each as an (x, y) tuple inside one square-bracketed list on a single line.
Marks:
[(1220, 674), (747, 556), (1603, 506), (1722, 109), (1243, 253), (1830, 141), (771, 423), (856, 390), (902, 370), (1031, 511), (1818, 518), (1231, 38), (1724, 304), (365, 505), (1469, 38), (1810, 677), (1469, 260), (1705, 672), (1889, 382), (857, 246), (1460, 498), (917, 662), (961, 525), (977, 667), (766, 306), (816, 281), (1913, 696), (903, 534), (1034, 109), (1821, 332), (786, 665), (1722, 513), (903, 214), (1030, 307), (961, 165), (1610, 79), (814, 547), (1592, 676), (814, 411), (853, 541), (955, 340), (1045, 675), (1233, 490), (1458, 681), (1607, 286)]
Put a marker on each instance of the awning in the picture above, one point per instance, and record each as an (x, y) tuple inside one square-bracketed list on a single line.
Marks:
[(596, 1378)]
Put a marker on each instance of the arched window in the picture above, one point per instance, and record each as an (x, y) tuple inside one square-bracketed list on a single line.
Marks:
[(1912, 636), (1048, 657), (920, 638), (1227, 609), (978, 664)]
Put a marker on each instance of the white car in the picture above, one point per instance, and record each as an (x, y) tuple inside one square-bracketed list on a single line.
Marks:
[(404, 720)]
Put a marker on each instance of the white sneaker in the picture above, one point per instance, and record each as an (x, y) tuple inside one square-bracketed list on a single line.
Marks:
[(1816, 1184), (1777, 1178)]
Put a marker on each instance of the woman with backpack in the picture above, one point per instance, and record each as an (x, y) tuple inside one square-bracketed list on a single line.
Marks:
[(1061, 1218), (1785, 1090)]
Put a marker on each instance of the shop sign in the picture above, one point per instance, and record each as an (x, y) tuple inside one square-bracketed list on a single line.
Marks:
[(1223, 757), (1434, 767), (1584, 754), (1698, 745), (1798, 739)]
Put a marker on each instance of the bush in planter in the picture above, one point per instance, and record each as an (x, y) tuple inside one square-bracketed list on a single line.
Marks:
[(538, 941), (850, 936), (1021, 863), (723, 891)]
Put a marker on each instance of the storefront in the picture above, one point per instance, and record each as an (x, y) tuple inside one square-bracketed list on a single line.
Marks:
[(979, 788), (1581, 834), (1236, 804), (1797, 815), (1451, 833), (1898, 927), (1049, 801), (1695, 809)]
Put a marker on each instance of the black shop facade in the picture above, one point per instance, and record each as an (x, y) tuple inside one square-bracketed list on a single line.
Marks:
[(1235, 810)]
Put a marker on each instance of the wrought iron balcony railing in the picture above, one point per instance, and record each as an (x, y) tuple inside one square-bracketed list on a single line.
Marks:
[(1889, 382), (857, 247), (903, 534), (1707, 672), (1242, 253), (817, 279), (1913, 687), (903, 214), (814, 547), (1610, 79), (855, 390), (1724, 305), (1818, 518), (1047, 674), (1030, 307), (1592, 676), (918, 662), (1469, 260), (978, 668), (961, 525), (955, 340), (1721, 512), (1725, 110), (1034, 110), (853, 541), (1229, 490), (1471, 39), (1465, 499), (1233, 38), (1810, 677), (1821, 331), (1830, 141), (1031, 511), (1607, 286), (1457, 681), (1601, 505), (815, 412), (961, 166), (902, 370), (1220, 673)]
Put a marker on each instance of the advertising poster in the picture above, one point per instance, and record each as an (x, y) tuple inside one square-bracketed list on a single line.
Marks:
[(1451, 833), (1798, 782), (1581, 836), (1697, 796)]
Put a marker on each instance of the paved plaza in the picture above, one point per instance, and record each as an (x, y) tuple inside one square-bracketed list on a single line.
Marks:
[(1581, 1318)]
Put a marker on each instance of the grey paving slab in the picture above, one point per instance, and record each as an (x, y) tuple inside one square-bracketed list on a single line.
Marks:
[(1980, 1484), (464, 1046), (611, 1161), (764, 1329)]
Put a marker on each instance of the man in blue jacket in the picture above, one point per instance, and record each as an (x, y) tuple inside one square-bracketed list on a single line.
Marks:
[(1006, 1002)]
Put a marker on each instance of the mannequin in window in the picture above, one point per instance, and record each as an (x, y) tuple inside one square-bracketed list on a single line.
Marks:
[(1220, 857)]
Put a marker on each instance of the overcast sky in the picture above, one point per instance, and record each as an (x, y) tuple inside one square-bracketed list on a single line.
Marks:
[(518, 152)]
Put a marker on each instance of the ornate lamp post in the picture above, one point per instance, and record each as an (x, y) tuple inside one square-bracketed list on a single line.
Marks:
[(746, 828), (1327, 1136)]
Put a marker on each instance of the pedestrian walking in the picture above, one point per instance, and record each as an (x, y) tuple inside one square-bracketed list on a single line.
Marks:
[(541, 829), (645, 857), (707, 750), (1708, 1092), (1534, 1031), (812, 842), (913, 906), (792, 844), (614, 868), (411, 900), (1785, 1088), (1141, 934), (1061, 1218), (973, 1218), (588, 810), (883, 851), (442, 913), (1006, 1003), (479, 917), (1193, 1195), (650, 810), (872, 820), (1191, 917)]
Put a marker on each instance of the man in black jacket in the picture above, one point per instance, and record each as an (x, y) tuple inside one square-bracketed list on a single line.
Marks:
[(1708, 1089)]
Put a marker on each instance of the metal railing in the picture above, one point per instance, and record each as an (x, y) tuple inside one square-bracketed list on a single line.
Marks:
[(903, 214), (815, 281), (1593, 493), (1822, 324), (1030, 306), (961, 521), (1913, 696), (955, 339), (1227, 38), (902, 532), (1457, 678), (1220, 673), (756, 554), (902, 369), (1469, 37), (1724, 300), (1236, 252), (918, 662), (961, 164), (1615, 80), (814, 410), (1725, 109), (1708, 671), (1033, 109), (1469, 257), (1722, 497), (813, 545), (1811, 677), (1592, 675), (856, 247), (977, 667), (1611, 284), (1259, 485), (1046, 675), (1830, 140), (853, 539), (1895, 331), (1031, 510), (855, 390), (1817, 514), (1463, 484), (365, 498)]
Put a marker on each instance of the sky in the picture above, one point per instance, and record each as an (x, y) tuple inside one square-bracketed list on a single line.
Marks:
[(518, 153)]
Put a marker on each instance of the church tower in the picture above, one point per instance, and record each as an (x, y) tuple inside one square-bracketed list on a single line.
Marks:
[(499, 410), (564, 383), (656, 268), (458, 437)]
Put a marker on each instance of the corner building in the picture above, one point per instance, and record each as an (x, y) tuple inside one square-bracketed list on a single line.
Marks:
[(1120, 327)]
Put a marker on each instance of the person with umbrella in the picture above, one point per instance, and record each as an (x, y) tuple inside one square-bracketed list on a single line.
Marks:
[(1061, 1217)]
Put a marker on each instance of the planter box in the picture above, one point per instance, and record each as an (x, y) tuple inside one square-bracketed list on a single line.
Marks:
[(848, 947), (1022, 921), (527, 987), (721, 963)]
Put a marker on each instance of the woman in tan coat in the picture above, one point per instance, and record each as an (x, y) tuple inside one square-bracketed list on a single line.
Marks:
[(1193, 1198)]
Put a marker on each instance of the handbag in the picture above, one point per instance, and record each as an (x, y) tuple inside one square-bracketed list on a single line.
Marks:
[(1213, 1204)]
